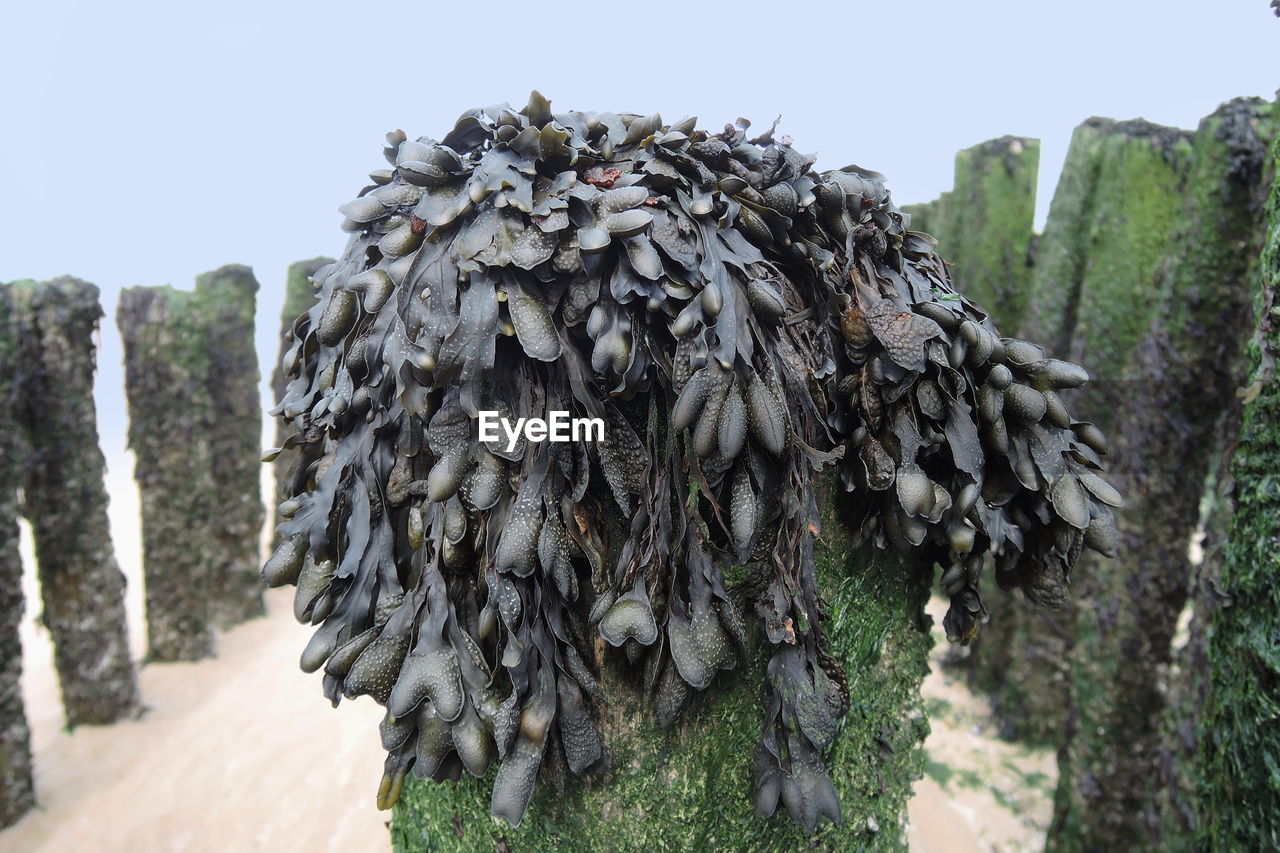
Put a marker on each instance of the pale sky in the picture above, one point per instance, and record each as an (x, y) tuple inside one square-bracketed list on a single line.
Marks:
[(144, 143)]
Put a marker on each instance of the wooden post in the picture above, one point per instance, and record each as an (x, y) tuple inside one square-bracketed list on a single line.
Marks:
[(164, 345), (1159, 310), (984, 225), (227, 301), (1239, 744), (65, 499), (985, 229), (17, 790)]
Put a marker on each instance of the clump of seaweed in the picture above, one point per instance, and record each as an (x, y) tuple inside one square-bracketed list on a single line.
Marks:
[(740, 323)]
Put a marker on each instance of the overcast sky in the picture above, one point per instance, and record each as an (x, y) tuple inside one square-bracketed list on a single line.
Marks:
[(145, 143)]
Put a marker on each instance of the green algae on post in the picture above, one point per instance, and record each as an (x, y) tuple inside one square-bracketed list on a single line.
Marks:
[(1164, 301), (1237, 800), (984, 225), (191, 370)]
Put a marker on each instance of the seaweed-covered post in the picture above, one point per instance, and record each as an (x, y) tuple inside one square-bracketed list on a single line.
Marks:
[(17, 789), (777, 386), (673, 787), (164, 346), (1163, 299), (227, 299), (65, 499), (299, 296), (1239, 744)]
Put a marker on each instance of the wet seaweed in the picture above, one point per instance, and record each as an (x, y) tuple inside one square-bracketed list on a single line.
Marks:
[(741, 323)]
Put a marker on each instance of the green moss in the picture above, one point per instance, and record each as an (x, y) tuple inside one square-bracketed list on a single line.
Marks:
[(1109, 227), (1239, 792), (689, 788), (984, 225)]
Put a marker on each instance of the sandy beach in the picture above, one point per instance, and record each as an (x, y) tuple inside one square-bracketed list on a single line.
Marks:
[(242, 753)]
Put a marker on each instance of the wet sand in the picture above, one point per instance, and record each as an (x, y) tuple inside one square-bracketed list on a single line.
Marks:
[(235, 753), (243, 753), (979, 793)]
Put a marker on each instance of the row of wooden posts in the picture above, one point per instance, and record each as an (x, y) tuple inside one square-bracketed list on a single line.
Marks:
[(1147, 273), (195, 422)]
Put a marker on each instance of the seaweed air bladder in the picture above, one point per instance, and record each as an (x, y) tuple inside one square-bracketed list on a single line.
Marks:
[(740, 324)]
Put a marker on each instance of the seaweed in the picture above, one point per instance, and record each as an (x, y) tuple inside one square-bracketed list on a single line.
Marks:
[(741, 323)]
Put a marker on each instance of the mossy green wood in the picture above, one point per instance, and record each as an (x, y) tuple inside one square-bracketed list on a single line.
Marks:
[(299, 296), (1223, 236), (926, 216), (165, 357), (65, 499), (1239, 739), (1108, 231), (1161, 313), (227, 302), (985, 225), (689, 787), (17, 789), (1019, 658), (985, 228)]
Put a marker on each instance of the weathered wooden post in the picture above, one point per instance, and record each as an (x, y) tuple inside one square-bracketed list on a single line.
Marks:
[(1227, 231), (985, 225), (1159, 302), (227, 300), (192, 371), (17, 789), (1239, 744), (1109, 229), (985, 229), (64, 498), (165, 358)]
